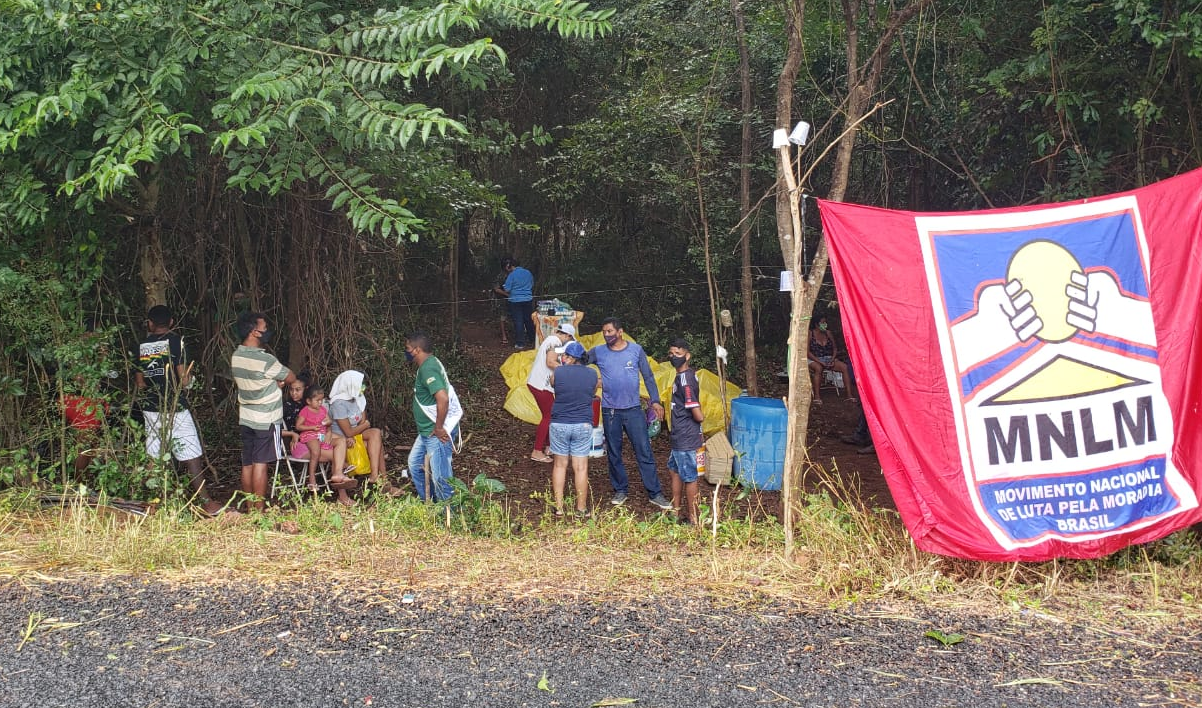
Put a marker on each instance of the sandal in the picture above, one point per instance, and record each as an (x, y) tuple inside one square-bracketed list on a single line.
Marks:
[(541, 458), (817, 401), (344, 484)]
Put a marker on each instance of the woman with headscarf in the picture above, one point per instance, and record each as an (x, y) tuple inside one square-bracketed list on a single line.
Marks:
[(348, 408)]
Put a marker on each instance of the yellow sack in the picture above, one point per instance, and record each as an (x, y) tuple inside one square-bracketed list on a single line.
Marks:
[(521, 404), (711, 400), (357, 456), (517, 367)]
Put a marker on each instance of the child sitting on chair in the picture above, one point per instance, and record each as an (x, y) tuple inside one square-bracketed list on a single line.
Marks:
[(317, 445)]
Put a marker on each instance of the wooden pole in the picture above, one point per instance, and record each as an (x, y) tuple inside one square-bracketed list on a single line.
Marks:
[(799, 382)]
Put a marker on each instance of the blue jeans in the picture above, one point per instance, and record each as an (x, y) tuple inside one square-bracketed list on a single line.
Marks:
[(439, 453), (523, 326), (634, 422)]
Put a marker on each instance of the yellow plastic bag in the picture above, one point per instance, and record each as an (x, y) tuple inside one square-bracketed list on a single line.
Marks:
[(521, 405), (357, 455)]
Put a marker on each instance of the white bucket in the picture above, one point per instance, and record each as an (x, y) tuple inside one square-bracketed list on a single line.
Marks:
[(598, 442)]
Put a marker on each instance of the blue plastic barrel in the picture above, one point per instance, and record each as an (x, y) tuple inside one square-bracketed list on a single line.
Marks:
[(758, 430)]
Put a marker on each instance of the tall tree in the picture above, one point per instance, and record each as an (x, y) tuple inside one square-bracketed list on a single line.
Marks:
[(97, 97), (747, 285), (862, 82)]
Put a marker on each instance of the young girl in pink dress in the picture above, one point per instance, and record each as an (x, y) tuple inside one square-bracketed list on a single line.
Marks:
[(317, 445)]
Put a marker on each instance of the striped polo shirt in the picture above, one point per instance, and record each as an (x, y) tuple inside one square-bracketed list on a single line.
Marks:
[(260, 401)]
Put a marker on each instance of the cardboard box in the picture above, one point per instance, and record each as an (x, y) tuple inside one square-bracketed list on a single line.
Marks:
[(719, 458)]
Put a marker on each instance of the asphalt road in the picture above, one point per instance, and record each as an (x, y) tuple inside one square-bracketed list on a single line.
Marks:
[(143, 642)]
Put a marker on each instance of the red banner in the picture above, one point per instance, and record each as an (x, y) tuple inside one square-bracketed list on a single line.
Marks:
[(1031, 376)]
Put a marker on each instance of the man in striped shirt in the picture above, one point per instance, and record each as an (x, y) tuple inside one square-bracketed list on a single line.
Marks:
[(259, 377)]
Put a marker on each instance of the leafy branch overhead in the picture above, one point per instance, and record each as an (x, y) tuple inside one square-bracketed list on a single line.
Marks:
[(93, 94)]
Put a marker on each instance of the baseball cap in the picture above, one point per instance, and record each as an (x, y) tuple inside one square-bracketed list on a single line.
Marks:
[(567, 329), (572, 349)]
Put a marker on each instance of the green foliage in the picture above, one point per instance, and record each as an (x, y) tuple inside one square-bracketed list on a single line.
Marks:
[(94, 94), (474, 508)]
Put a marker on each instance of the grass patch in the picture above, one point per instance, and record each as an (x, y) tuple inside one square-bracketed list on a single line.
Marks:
[(846, 554)]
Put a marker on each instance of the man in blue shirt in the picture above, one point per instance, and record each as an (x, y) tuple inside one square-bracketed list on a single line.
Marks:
[(622, 363), (519, 288)]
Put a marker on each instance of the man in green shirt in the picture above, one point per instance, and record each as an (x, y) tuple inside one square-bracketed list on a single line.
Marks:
[(437, 412), (259, 377)]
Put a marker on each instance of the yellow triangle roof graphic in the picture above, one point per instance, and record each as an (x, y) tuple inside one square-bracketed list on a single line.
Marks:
[(1063, 377)]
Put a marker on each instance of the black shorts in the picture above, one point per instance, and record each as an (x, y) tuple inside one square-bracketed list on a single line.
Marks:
[(260, 446)]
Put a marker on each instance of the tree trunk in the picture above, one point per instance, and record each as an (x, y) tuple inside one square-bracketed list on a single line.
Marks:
[(153, 264), (749, 356), (788, 233), (862, 81)]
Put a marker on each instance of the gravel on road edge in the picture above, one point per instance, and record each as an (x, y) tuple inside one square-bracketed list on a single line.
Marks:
[(133, 641)]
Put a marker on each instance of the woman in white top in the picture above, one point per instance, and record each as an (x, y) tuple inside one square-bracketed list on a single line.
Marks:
[(539, 383), (348, 408)]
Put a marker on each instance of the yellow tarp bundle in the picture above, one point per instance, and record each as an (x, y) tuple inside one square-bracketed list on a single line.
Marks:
[(520, 402)]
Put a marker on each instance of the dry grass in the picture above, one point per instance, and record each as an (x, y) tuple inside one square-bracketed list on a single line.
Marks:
[(847, 555)]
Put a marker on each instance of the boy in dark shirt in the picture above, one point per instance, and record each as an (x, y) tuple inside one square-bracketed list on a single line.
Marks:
[(163, 374), (687, 440)]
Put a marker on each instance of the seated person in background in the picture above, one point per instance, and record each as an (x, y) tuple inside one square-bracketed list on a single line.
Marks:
[(347, 408), (317, 445), (822, 354), (294, 401)]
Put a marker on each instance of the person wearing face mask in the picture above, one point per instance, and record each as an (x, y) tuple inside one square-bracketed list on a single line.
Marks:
[(685, 431), (259, 376), (822, 355), (539, 383), (622, 363)]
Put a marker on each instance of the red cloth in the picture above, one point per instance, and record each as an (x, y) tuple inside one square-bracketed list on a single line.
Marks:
[(84, 413), (1000, 444)]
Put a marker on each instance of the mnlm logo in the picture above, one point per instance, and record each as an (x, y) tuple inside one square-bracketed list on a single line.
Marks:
[(1050, 355)]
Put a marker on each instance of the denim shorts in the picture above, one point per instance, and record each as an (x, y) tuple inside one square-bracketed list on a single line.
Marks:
[(684, 463), (571, 439)]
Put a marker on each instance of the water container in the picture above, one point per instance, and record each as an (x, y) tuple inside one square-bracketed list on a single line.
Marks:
[(598, 448), (758, 430)]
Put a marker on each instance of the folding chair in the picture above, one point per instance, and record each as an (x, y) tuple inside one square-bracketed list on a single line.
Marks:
[(834, 379), (298, 474)]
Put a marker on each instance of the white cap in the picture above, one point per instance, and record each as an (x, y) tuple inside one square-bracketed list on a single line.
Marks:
[(567, 329)]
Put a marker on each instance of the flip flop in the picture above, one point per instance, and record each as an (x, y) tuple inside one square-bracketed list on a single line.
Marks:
[(544, 458), (344, 484)]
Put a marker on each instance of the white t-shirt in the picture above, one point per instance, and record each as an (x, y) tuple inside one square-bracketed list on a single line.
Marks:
[(540, 373)]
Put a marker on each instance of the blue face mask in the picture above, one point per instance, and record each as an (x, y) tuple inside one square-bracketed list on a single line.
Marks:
[(408, 356)]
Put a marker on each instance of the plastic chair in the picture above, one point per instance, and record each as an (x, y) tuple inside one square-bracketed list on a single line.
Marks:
[(834, 379)]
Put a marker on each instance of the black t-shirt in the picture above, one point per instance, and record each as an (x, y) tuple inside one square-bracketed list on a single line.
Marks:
[(158, 356), (686, 395)]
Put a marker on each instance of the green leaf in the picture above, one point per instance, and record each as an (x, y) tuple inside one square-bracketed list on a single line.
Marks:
[(946, 640), (544, 684)]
